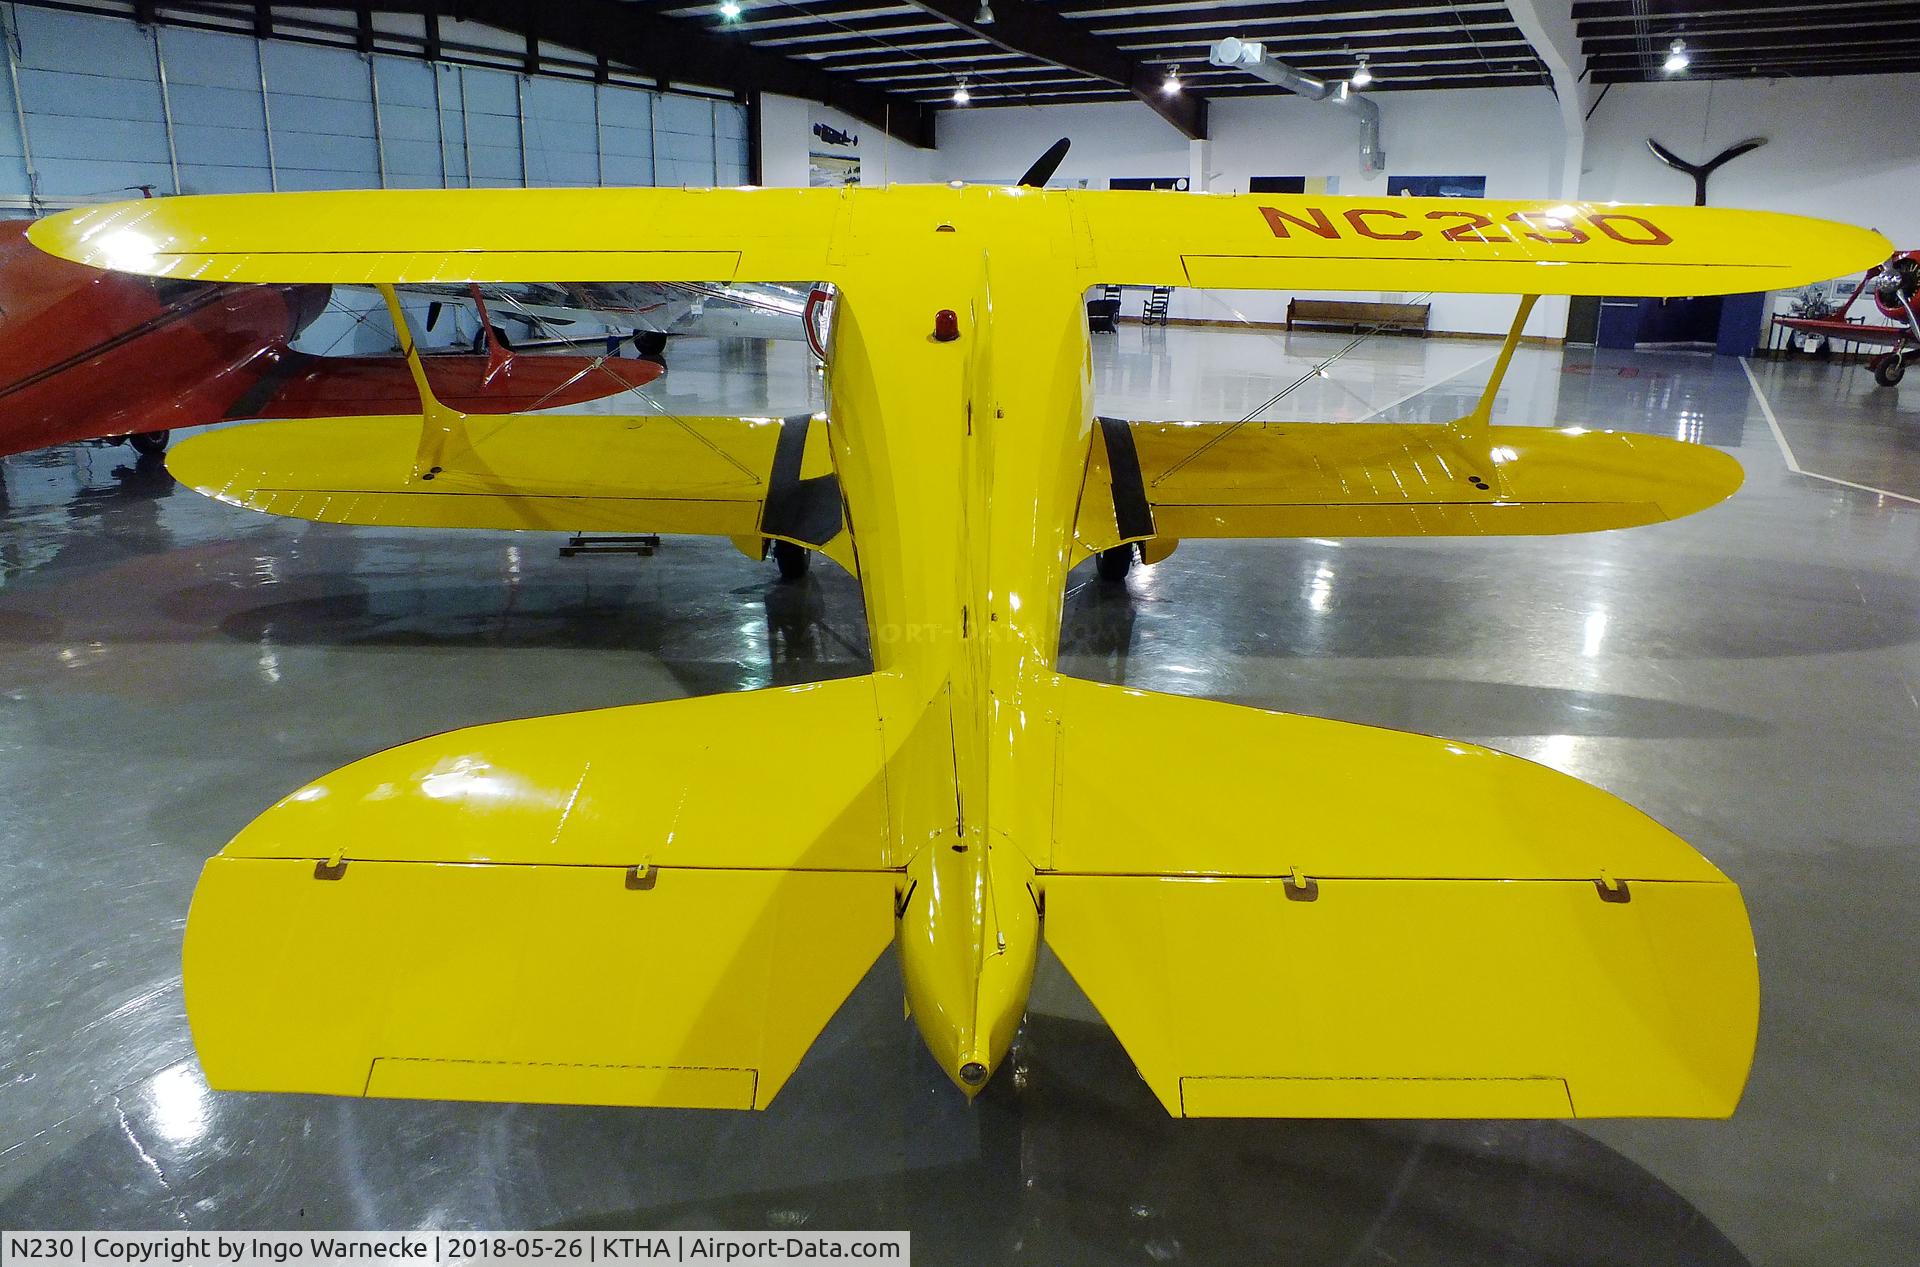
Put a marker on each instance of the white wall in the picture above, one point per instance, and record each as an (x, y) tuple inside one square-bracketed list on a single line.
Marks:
[(1842, 148), (786, 138), (992, 146), (1509, 135)]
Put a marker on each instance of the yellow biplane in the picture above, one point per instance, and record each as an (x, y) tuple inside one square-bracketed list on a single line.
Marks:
[(1290, 917)]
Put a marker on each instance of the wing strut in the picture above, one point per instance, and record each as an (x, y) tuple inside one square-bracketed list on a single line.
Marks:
[(1473, 430), (440, 426), (1475, 423)]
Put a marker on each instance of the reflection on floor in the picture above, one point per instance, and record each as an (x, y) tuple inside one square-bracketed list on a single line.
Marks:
[(1748, 676)]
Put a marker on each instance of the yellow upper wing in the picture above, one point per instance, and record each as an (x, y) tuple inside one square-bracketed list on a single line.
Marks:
[(1276, 242), (456, 235), (1212, 240)]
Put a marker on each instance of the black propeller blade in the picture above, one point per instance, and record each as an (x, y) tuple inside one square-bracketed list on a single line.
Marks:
[(1042, 171)]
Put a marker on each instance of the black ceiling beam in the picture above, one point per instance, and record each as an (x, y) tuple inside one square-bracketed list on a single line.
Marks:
[(1304, 17), (1288, 45), (840, 41), (1326, 65), (1097, 10), (1252, 88), (1041, 33), (1753, 41), (676, 49), (1747, 70), (1666, 10), (1859, 18), (1760, 58)]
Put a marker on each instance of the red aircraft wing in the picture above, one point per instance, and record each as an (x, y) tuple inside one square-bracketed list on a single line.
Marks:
[(86, 353), (1889, 336)]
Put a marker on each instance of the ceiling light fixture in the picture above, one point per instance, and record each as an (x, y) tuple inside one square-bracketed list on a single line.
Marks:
[(730, 10), (1677, 59), (960, 95), (1172, 84), (1362, 73), (984, 17)]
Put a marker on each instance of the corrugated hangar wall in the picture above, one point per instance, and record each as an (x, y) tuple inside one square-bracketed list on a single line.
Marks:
[(107, 106)]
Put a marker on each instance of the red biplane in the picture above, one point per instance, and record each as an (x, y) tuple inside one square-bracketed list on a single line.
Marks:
[(1894, 284), (90, 354)]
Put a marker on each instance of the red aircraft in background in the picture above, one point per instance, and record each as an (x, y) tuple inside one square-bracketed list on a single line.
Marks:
[(1894, 286), (87, 354)]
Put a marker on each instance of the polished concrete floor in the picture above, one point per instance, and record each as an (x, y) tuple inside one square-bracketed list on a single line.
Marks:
[(1748, 676)]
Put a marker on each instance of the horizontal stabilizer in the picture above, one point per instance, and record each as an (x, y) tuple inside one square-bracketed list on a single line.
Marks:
[(570, 909), (1275, 479), (730, 477), (1308, 918)]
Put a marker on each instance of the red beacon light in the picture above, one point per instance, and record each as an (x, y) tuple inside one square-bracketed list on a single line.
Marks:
[(946, 326)]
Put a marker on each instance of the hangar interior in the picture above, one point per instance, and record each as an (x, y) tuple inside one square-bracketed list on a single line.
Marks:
[(1748, 676)]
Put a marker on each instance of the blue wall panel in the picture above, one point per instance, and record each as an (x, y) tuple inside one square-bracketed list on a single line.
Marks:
[(321, 103), (561, 145), (219, 127), (409, 123), (626, 135), (13, 162), (99, 123), (95, 120), (493, 126), (453, 123)]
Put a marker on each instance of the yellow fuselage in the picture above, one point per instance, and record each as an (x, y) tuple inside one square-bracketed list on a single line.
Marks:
[(962, 462)]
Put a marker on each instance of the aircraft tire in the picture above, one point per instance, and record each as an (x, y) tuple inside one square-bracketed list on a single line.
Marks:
[(149, 444), (1888, 370), (792, 560), (1113, 565)]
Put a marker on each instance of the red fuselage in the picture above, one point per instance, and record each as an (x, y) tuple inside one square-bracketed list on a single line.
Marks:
[(86, 353)]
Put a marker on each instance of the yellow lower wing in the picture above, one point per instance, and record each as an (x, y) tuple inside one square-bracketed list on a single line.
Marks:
[(554, 910), (734, 477), (1172, 480), (1309, 918)]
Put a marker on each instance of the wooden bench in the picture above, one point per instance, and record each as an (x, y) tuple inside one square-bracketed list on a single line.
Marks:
[(1353, 314)]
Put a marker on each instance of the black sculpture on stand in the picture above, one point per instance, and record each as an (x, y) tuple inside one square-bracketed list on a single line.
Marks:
[(1700, 171)]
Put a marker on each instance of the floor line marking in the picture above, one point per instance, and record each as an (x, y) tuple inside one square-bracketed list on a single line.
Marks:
[(1786, 452)]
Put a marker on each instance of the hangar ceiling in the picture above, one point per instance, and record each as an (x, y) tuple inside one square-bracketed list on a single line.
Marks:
[(895, 63), (1627, 41), (920, 51)]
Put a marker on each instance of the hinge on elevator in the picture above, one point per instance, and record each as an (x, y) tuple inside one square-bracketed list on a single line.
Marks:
[(332, 869), (1299, 888), (643, 876), (1612, 889)]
